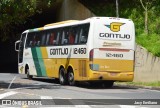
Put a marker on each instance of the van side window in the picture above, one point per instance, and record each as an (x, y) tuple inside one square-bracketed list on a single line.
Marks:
[(76, 32), (54, 38), (43, 38), (71, 37), (58, 33), (84, 29), (37, 39), (47, 37), (65, 34), (30, 39), (51, 38)]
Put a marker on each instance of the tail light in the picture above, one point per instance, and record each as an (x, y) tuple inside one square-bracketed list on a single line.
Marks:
[(94, 67), (91, 54)]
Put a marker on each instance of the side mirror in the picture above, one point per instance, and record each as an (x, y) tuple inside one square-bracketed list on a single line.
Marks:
[(17, 45)]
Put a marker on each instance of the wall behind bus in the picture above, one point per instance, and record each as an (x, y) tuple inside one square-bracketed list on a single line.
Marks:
[(73, 10), (147, 66)]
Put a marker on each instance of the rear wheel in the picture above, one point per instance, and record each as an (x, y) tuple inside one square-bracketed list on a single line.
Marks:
[(71, 80), (62, 76)]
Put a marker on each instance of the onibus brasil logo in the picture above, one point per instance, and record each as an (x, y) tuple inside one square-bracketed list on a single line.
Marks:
[(115, 26)]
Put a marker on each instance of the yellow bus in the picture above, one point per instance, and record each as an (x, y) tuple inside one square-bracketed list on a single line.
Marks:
[(98, 49)]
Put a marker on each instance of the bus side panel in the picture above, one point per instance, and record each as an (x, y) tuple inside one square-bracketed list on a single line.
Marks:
[(37, 60), (34, 58), (53, 61), (28, 60), (74, 56), (48, 63)]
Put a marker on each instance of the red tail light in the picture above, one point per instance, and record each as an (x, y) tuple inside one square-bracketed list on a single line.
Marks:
[(91, 55)]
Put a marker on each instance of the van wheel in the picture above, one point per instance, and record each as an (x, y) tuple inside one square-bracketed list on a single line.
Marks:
[(62, 76), (71, 80), (28, 75)]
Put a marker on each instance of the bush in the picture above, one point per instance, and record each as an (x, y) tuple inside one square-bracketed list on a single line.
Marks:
[(151, 42)]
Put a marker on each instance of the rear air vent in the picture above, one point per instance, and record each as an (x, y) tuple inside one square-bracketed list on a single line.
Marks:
[(82, 68)]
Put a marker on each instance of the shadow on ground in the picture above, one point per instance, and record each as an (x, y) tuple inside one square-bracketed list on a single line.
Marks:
[(5, 85), (50, 83), (85, 85)]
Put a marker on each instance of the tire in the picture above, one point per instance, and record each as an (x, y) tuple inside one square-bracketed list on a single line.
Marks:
[(62, 76), (71, 80), (108, 84), (28, 75)]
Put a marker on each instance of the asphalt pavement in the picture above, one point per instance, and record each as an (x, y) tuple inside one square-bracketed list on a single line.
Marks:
[(16, 90)]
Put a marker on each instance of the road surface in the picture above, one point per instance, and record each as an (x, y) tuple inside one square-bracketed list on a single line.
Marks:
[(16, 90)]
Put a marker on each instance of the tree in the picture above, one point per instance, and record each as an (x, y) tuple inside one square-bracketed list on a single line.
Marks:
[(16, 12), (117, 9), (147, 4)]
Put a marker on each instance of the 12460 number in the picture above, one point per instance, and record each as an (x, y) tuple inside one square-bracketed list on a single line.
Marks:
[(114, 55), (79, 51)]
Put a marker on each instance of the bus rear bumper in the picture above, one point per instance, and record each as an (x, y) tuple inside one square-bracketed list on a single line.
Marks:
[(114, 76)]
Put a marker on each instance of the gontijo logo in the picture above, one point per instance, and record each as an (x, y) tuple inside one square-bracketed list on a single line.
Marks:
[(115, 26)]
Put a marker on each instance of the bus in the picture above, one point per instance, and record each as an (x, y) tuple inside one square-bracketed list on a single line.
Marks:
[(95, 50)]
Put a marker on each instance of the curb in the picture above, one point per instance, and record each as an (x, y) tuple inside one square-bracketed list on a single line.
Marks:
[(137, 86)]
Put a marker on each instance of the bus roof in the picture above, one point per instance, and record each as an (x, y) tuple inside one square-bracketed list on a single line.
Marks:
[(35, 29), (70, 22), (62, 22)]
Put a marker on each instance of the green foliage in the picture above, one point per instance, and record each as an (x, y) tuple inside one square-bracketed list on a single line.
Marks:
[(15, 12), (133, 9), (153, 84), (150, 42)]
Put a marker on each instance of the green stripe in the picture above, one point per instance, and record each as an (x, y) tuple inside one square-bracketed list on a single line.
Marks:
[(41, 62), (36, 62)]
